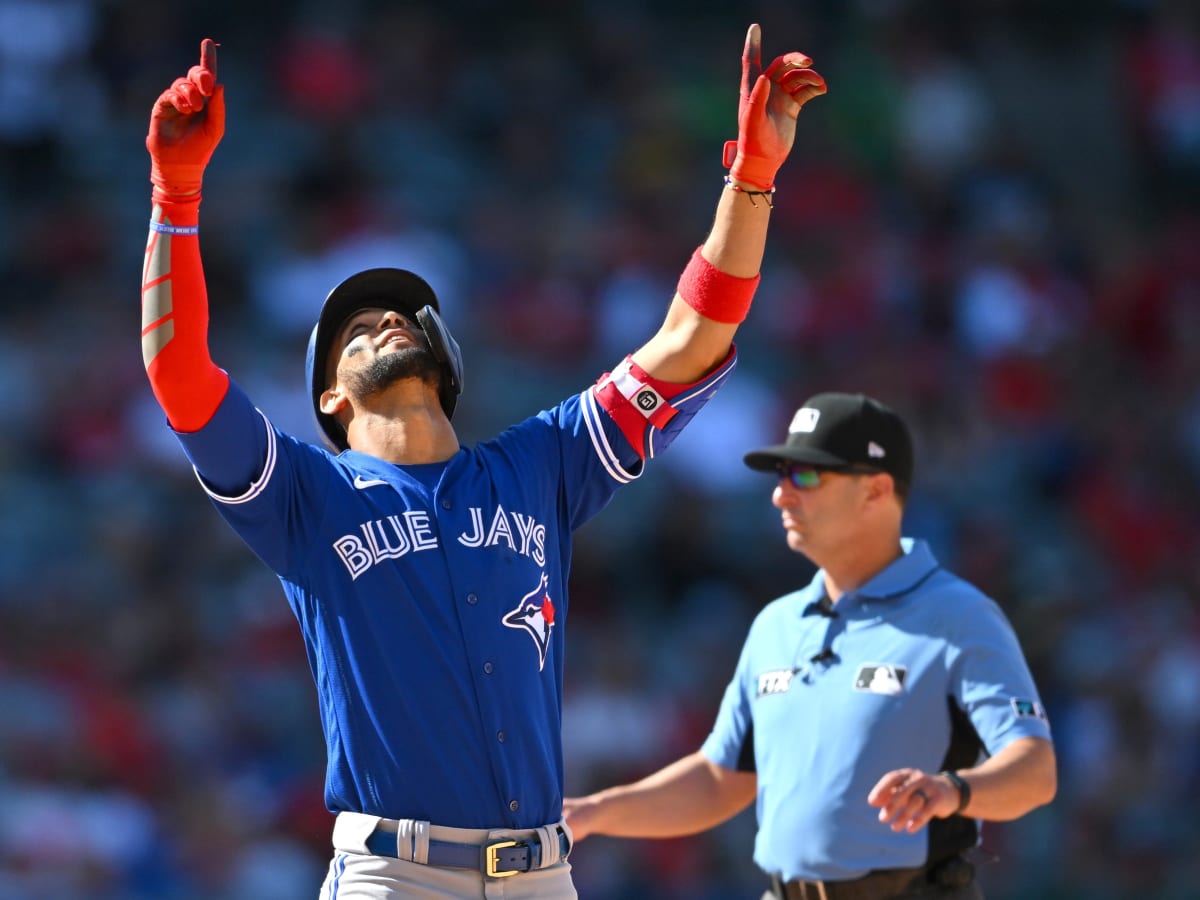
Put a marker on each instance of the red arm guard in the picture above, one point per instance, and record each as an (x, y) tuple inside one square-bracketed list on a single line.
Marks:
[(188, 385)]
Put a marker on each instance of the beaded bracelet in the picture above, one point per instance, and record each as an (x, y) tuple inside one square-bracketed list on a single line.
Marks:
[(751, 194), (164, 228)]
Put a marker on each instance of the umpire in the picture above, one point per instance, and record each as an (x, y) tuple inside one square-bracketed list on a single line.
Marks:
[(877, 714)]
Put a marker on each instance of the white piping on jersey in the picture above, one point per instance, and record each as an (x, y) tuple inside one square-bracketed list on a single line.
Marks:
[(604, 450), (680, 399), (256, 487), (702, 386)]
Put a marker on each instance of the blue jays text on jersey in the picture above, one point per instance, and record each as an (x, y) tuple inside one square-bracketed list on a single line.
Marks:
[(432, 598), (412, 531)]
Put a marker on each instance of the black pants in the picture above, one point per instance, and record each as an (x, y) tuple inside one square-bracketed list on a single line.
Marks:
[(935, 892), (957, 883), (923, 892)]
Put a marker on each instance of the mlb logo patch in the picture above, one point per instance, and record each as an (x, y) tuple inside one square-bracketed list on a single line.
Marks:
[(805, 420), (881, 678), (1029, 709)]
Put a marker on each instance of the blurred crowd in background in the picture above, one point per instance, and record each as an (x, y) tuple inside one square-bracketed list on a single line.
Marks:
[(990, 222)]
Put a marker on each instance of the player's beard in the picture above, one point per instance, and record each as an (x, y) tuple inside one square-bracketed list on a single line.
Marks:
[(386, 370)]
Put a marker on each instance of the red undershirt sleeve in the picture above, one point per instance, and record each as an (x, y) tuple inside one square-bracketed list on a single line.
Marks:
[(189, 386)]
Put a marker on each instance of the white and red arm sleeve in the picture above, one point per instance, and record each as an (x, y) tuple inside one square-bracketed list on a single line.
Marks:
[(187, 383), (651, 412)]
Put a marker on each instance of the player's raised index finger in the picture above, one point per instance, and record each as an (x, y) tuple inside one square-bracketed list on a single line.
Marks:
[(208, 56), (751, 58)]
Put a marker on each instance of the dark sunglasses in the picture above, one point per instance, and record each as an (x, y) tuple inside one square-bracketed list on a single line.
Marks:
[(803, 477)]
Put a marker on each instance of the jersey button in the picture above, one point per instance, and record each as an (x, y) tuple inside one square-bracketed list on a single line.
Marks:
[(500, 736), (446, 503), (514, 805), (472, 599), (487, 668)]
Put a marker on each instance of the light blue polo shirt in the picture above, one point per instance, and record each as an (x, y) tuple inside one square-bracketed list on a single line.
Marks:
[(822, 705)]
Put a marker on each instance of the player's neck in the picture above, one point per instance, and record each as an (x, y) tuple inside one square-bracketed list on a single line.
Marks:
[(414, 435)]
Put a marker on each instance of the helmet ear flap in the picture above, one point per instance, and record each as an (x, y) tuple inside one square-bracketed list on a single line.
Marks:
[(445, 350), (327, 426), (397, 289)]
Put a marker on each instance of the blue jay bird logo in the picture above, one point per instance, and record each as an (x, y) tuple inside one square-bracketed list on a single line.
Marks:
[(535, 614)]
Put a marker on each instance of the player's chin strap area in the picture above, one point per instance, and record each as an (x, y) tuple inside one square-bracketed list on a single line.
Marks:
[(494, 853)]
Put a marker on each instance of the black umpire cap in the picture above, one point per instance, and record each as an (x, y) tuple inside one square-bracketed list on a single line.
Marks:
[(387, 288), (838, 431)]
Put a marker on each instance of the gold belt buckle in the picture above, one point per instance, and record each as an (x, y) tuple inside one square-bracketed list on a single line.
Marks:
[(492, 862)]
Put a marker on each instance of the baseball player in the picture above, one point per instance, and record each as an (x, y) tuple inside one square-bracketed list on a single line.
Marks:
[(429, 578), (875, 714)]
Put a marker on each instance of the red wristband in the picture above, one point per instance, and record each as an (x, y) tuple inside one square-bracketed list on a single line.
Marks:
[(715, 294), (162, 198)]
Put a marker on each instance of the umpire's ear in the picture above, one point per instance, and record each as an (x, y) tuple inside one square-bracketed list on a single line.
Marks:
[(881, 486)]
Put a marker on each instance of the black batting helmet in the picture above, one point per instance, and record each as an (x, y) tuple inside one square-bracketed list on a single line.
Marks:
[(387, 288)]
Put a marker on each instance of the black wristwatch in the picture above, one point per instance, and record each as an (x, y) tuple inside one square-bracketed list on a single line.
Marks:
[(964, 789)]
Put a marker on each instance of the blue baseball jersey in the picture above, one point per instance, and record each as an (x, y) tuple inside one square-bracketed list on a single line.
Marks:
[(915, 666), (432, 599)]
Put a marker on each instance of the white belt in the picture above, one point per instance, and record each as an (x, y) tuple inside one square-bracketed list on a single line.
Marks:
[(494, 852)]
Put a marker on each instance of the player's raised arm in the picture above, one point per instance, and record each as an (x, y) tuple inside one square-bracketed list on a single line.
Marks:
[(718, 283), (186, 125)]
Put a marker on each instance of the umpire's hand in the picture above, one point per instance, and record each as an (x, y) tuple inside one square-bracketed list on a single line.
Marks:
[(909, 799)]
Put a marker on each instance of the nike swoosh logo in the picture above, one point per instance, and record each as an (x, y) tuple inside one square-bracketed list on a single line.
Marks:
[(360, 482)]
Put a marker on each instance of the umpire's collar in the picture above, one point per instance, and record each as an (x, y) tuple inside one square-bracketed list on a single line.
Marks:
[(900, 577)]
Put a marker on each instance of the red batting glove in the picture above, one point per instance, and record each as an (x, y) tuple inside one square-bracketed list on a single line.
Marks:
[(767, 110), (186, 125)]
